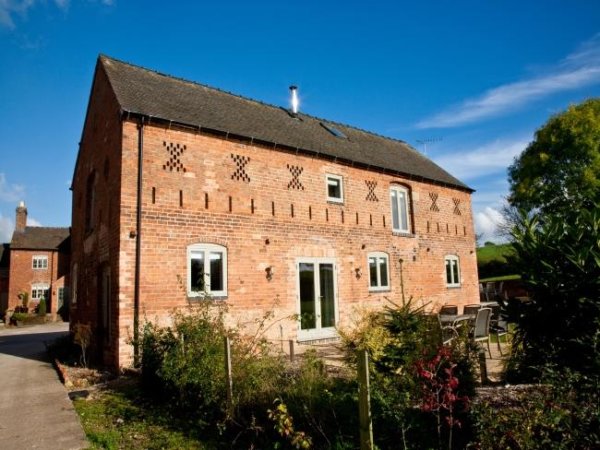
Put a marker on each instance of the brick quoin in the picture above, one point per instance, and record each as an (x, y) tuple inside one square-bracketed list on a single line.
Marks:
[(251, 215)]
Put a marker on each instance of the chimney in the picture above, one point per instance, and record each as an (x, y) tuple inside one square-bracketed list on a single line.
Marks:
[(21, 221), (295, 101)]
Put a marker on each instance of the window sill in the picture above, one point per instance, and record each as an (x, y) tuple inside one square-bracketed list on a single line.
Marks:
[(403, 234), (379, 290), (206, 298), (335, 202), (453, 286)]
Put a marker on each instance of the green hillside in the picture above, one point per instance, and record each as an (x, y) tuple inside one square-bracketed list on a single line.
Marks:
[(491, 260)]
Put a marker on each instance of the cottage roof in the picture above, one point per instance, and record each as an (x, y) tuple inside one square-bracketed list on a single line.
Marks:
[(41, 238), (140, 91)]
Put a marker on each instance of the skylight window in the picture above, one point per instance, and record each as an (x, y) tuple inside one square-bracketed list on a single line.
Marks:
[(333, 130)]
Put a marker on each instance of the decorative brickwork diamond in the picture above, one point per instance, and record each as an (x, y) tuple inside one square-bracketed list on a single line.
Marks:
[(456, 206), (371, 185), (295, 182), (434, 197), (175, 153), (240, 172)]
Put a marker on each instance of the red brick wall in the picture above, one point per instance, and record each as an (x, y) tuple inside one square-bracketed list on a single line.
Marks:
[(97, 249), (179, 217)]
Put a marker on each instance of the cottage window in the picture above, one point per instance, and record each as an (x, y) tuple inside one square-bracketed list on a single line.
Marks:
[(452, 271), (40, 262), (379, 276), (400, 218), (207, 270), (335, 188), (39, 291)]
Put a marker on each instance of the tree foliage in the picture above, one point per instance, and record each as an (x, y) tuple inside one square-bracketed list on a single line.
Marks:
[(558, 256), (560, 169)]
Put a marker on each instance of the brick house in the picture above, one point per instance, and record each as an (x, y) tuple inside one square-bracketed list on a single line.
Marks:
[(38, 264), (181, 189), (4, 271)]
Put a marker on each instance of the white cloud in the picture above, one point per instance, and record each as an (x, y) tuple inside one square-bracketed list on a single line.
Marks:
[(486, 159), (31, 222), (580, 68), (6, 229), (10, 8), (10, 192), (487, 223)]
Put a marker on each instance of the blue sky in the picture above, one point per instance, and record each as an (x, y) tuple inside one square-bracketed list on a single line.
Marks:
[(475, 78)]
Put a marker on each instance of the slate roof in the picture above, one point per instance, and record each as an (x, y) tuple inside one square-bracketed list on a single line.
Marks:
[(41, 238), (144, 92)]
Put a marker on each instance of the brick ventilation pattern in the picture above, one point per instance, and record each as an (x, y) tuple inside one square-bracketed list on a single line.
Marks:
[(240, 172), (175, 152), (371, 185), (295, 182), (456, 206), (434, 197)]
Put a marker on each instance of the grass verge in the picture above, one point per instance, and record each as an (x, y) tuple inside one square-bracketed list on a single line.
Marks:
[(119, 417)]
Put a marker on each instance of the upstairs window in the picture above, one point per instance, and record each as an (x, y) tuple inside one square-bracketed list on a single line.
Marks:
[(335, 188), (452, 271), (379, 277), (40, 262), (207, 270), (400, 212)]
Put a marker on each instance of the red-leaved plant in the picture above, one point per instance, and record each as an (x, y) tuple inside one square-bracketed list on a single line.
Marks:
[(439, 391)]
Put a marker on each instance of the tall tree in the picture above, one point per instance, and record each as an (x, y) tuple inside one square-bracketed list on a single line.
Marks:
[(560, 169)]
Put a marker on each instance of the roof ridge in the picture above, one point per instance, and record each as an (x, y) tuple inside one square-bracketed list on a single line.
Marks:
[(197, 83)]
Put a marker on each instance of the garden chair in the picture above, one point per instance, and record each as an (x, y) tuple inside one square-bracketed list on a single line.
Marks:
[(449, 310), (499, 328), (471, 309), (482, 296), (481, 332), (449, 333), (490, 291)]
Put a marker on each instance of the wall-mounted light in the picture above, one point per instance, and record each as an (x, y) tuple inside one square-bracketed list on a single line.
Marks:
[(358, 272), (132, 234), (270, 271)]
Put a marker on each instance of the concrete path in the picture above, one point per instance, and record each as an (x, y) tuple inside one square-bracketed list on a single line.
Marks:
[(35, 410)]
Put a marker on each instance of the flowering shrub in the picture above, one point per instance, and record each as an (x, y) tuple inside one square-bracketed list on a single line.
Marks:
[(439, 391)]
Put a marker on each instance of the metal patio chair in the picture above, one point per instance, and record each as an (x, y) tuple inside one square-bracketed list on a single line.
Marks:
[(481, 332)]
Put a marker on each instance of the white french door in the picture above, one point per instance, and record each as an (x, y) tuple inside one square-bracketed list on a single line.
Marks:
[(317, 298)]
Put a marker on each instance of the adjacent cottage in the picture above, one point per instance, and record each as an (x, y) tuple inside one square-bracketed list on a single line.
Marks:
[(37, 263), (183, 192)]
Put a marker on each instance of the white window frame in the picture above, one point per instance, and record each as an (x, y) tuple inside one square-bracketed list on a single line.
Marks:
[(39, 262), (398, 190), (449, 259), (206, 248), (340, 180), (378, 256), (35, 288)]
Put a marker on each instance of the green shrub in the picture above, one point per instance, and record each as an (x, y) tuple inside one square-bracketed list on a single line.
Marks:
[(562, 413), (400, 340), (183, 365), (559, 259), (19, 317), (41, 309)]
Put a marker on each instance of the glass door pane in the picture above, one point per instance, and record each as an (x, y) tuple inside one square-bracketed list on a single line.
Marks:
[(308, 318), (327, 295)]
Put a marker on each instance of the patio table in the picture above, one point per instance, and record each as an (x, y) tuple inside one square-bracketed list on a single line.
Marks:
[(455, 320)]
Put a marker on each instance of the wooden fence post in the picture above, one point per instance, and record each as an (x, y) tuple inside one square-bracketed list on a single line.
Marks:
[(364, 402), (227, 344), (291, 350)]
